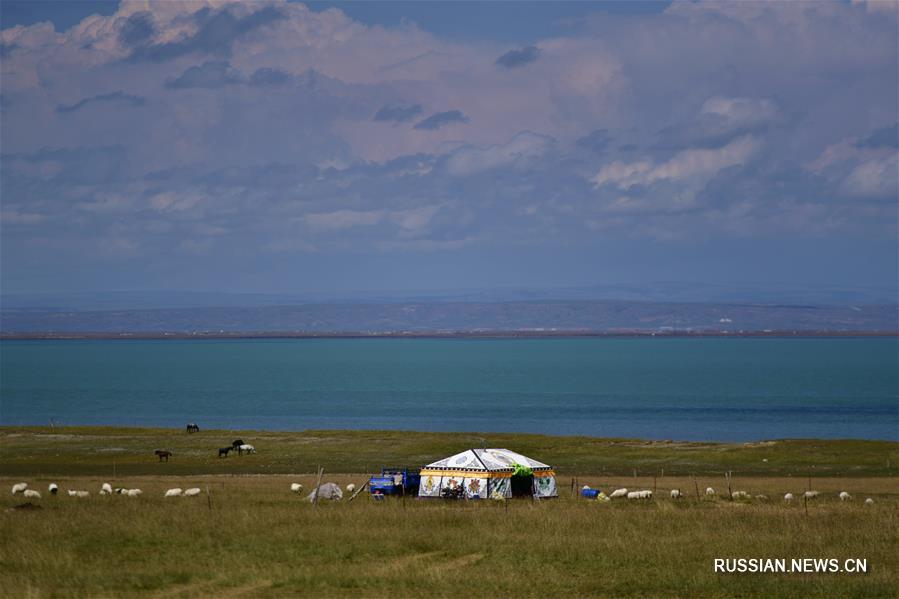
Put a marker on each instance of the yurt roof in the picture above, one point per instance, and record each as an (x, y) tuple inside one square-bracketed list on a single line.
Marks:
[(486, 460)]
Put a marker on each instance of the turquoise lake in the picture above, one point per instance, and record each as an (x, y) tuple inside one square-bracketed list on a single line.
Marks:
[(726, 389)]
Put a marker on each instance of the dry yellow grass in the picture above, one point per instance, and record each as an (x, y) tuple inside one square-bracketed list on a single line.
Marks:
[(258, 539)]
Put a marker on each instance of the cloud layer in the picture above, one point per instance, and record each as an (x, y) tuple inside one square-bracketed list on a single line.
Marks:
[(168, 131)]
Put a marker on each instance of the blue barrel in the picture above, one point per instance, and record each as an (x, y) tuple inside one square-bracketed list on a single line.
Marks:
[(590, 493)]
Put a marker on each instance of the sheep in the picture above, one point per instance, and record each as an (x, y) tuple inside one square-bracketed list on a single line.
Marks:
[(53, 488), (120, 491), (296, 488), (19, 488), (640, 495), (788, 497), (762, 497), (618, 493), (869, 501), (31, 494), (176, 492), (78, 493), (810, 494), (106, 489), (844, 496), (350, 488), (709, 491), (740, 495), (134, 492), (192, 492), (676, 494)]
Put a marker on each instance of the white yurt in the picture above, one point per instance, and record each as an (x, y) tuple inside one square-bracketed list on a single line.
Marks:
[(488, 473)]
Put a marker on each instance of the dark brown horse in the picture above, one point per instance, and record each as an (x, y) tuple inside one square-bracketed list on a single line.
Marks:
[(193, 427), (163, 454), (223, 451)]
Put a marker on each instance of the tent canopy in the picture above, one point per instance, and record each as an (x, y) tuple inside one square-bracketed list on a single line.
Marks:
[(498, 461)]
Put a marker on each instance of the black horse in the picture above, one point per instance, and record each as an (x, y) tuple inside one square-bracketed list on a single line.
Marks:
[(223, 451), (193, 427), (236, 443), (163, 454)]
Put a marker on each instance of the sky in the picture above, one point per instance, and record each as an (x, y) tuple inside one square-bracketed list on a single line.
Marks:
[(357, 148)]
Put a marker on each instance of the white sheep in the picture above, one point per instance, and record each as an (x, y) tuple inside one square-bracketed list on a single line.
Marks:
[(844, 496), (53, 488), (31, 494), (762, 497), (106, 489), (350, 488), (869, 501), (134, 492), (192, 492), (740, 495), (676, 494), (176, 492), (296, 488), (618, 493), (810, 494), (19, 488), (709, 491), (788, 497), (640, 494), (78, 493)]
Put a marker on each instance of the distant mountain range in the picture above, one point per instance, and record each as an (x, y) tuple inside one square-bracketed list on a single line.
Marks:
[(536, 316)]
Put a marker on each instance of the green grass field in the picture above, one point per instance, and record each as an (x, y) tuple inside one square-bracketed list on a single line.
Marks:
[(251, 537)]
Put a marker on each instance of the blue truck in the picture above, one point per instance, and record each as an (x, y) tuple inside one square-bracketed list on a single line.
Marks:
[(395, 481)]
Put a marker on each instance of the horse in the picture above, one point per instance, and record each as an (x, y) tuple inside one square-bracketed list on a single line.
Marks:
[(163, 454), (223, 451), (193, 427), (236, 443)]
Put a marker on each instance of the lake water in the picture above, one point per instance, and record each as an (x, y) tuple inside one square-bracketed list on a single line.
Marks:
[(726, 389)]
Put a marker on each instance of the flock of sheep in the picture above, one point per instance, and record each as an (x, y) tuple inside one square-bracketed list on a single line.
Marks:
[(105, 489), (710, 492)]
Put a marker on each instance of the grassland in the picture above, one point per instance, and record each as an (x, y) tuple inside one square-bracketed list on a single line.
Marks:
[(251, 537)]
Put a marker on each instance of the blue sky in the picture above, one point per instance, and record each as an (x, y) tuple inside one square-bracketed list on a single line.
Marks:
[(352, 148)]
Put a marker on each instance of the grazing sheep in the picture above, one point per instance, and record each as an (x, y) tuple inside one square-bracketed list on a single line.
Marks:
[(296, 488), (53, 488), (762, 497), (740, 495), (640, 495), (788, 497), (133, 493), (676, 494), (106, 489), (78, 493), (869, 501), (618, 493), (31, 494), (242, 449), (192, 492), (176, 492), (120, 491), (810, 494), (844, 496), (18, 488), (709, 491), (350, 488)]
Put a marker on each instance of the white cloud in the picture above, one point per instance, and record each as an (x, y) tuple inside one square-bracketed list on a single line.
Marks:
[(699, 164)]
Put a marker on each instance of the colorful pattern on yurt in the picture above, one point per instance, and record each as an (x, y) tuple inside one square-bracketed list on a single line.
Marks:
[(489, 470)]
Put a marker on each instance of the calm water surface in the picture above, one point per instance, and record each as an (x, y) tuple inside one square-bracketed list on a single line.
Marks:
[(695, 389)]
